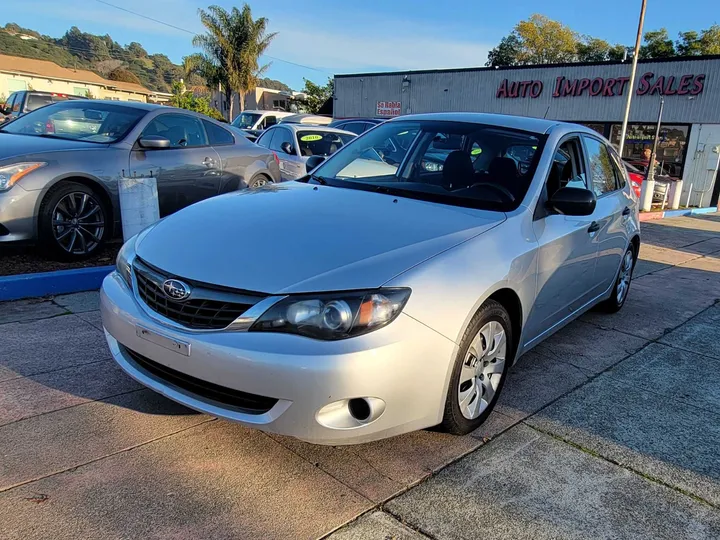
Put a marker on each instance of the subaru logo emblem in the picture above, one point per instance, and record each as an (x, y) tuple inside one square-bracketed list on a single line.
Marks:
[(176, 289)]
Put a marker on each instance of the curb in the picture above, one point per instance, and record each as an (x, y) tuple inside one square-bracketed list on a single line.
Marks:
[(652, 216), (46, 283)]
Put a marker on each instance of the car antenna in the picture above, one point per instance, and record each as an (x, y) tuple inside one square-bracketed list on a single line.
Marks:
[(546, 112)]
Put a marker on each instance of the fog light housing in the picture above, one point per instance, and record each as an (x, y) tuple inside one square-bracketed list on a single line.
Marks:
[(350, 413)]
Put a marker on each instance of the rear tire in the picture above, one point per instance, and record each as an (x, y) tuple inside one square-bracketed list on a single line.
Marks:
[(622, 283), (259, 181), (73, 222), (481, 366)]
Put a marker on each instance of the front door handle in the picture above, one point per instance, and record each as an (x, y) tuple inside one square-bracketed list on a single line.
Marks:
[(626, 211), (594, 227), (209, 162)]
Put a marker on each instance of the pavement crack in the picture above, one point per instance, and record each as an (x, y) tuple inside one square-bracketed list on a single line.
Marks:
[(407, 524), (637, 472), (73, 468)]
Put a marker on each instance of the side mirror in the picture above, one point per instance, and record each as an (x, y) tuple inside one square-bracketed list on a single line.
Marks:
[(573, 201), (313, 162), (154, 142), (4, 109), (287, 148)]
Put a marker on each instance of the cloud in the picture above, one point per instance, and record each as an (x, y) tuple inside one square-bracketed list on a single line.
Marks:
[(406, 47)]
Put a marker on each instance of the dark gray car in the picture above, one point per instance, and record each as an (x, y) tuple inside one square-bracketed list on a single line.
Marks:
[(60, 166)]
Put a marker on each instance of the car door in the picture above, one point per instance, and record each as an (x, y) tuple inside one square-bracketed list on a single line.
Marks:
[(291, 165), (567, 247), (234, 157), (186, 172), (612, 212)]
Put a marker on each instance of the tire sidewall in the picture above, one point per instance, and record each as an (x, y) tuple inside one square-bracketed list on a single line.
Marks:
[(45, 233), (618, 305), (254, 179), (454, 421)]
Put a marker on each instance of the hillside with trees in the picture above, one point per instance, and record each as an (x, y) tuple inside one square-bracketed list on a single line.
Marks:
[(106, 57)]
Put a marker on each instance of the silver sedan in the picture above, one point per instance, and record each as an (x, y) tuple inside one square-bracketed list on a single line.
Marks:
[(400, 294), (60, 166)]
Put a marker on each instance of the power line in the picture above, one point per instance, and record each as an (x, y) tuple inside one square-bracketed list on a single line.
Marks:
[(158, 21)]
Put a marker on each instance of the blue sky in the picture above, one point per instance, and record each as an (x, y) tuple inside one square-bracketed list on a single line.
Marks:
[(369, 35)]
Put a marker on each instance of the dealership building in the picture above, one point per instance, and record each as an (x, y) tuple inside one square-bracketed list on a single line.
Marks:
[(593, 94)]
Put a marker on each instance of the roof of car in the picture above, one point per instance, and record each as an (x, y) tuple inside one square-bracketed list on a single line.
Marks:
[(260, 111), (537, 125), (313, 127)]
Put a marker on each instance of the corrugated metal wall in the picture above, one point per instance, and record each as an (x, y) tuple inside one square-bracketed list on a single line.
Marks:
[(357, 95)]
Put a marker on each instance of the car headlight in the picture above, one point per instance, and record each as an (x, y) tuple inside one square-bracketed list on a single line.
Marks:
[(10, 174), (333, 316), (124, 260)]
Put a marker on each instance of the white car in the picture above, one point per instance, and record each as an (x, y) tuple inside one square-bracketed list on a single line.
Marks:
[(294, 144), (253, 122), (391, 302)]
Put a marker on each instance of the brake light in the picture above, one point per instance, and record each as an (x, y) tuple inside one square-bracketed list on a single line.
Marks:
[(59, 95), (277, 159), (49, 127)]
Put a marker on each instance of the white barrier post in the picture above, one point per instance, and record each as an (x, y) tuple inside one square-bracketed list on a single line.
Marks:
[(139, 205)]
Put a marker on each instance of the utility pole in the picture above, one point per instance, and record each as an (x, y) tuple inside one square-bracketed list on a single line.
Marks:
[(638, 39)]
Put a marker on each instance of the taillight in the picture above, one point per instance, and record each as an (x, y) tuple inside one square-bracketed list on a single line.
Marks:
[(49, 127), (277, 159)]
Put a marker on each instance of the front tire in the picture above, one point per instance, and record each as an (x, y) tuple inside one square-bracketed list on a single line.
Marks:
[(486, 352), (622, 284), (73, 221)]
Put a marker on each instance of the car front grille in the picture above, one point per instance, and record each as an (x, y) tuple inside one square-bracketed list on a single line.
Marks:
[(208, 308), (241, 401)]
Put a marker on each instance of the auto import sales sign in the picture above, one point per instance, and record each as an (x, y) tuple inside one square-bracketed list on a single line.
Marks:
[(388, 108)]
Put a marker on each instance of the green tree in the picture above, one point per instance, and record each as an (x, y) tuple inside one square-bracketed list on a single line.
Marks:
[(232, 46), (618, 52), (657, 45), (506, 53), (592, 49), (710, 40), (545, 41), (184, 99), (317, 95), (123, 75), (688, 44), (537, 40)]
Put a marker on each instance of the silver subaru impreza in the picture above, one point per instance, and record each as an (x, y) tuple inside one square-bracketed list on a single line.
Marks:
[(398, 289)]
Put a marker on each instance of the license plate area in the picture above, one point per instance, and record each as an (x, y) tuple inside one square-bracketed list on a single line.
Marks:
[(166, 342)]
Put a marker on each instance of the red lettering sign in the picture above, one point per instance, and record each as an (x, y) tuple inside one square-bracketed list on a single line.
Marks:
[(388, 108)]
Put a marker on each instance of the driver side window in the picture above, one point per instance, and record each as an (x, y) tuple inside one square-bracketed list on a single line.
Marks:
[(183, 131)]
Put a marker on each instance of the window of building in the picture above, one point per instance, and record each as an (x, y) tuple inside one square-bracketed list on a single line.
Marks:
[(639, 140), (600, 128)]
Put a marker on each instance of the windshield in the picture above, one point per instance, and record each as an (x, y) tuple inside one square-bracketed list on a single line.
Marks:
[(246, 120), (89, 121), (321, 143), (464, 164)]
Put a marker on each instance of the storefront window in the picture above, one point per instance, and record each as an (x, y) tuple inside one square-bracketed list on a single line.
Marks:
[(639, 141), (600, 128)]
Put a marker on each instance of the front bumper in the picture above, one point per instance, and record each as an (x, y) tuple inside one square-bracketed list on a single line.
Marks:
[(17, 214), (404, 367)]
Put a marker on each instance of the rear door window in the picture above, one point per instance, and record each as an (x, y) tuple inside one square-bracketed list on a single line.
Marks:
[(266, 138), (355, 127), (282, 135), (217, 135)]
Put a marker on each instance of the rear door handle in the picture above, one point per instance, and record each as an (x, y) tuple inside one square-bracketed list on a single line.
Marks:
[(594, 227), (626, 211)]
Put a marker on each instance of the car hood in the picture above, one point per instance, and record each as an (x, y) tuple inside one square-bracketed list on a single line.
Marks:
[(294, 237), (14, 146)]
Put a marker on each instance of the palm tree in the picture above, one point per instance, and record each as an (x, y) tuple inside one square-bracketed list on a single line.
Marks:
[(231, 48)]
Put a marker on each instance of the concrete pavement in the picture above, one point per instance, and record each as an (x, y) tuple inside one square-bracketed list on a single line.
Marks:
[(608, 429)]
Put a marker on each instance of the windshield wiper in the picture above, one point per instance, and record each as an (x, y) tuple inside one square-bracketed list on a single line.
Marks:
[(319, 179)]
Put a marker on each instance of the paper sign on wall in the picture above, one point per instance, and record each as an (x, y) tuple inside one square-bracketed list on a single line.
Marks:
[(388, 108)]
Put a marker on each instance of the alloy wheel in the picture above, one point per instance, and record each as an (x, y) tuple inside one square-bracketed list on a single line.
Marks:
[(259, 183), (625, 275), (482, 370), (78, 223)]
